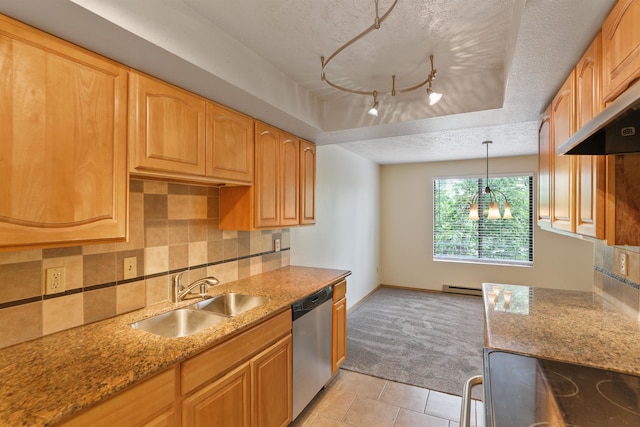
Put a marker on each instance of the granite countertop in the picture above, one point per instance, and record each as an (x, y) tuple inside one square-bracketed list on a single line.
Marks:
[(570, 326), (53, 377)]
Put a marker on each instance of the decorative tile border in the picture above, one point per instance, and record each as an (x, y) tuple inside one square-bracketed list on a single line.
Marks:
[(134, 279), (621, 279)]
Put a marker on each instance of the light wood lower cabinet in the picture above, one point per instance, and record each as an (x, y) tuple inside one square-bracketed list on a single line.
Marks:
[(272, 385), (245, 381), (224, 402), (63, 149), (339, 327), (151, 403)]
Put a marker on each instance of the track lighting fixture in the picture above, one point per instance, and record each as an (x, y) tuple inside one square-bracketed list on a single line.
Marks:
[(434, 97), (373, 111)]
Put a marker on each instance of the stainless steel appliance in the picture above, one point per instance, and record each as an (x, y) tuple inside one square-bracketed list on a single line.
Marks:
[(312, 319), (614, 131), (524, 391)]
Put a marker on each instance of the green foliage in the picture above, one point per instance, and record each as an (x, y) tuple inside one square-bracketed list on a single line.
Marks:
[(455, 236)]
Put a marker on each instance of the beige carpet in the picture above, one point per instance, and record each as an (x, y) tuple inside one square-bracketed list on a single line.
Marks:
[(425, 339)]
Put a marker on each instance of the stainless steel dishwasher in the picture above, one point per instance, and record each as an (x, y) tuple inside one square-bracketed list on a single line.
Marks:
[(312, 317)]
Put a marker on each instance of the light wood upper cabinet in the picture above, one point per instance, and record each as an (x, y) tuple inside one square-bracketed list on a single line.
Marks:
[(621, 48), (166, 129), (562, 177), (267, 178), (63, 176), (289, 180), (544, 170), (307, 183), (230, 144), (275, 198), (590, 170)]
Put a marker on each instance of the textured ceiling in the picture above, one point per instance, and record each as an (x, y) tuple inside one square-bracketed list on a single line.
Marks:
[(499, 63)]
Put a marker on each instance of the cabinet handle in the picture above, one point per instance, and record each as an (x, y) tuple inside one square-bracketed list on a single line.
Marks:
[(465, 410)]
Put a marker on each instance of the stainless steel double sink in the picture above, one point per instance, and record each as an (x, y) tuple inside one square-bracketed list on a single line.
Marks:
[(199, 316)]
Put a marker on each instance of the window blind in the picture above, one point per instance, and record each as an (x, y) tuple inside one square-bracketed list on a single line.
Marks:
[(502, 241)]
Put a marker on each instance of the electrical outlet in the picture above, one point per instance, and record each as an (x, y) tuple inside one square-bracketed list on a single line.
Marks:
[(130, 268), (276, 245), (623, 264), (54, 280)]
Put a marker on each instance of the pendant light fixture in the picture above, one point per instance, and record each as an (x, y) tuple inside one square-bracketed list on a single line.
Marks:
[(492, 196), (434, 97)]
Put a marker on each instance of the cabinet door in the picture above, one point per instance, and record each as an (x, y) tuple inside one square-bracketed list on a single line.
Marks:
[(289, 180), (544, 170), (267, 182), (590, 170), (339, 327), (230, 141), (307, 183), (63, 177), (272, 379), (225, 402), (563, 184), (621, 48), (166, 127)]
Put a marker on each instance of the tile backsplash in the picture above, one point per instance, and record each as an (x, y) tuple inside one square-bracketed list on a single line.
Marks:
[(620, 288), (172, 227)]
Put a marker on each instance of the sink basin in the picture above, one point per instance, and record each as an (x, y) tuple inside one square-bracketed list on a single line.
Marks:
[(179, 323), (231, 304)]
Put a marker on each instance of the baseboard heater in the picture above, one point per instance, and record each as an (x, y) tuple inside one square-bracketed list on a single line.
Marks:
[(462, 290)]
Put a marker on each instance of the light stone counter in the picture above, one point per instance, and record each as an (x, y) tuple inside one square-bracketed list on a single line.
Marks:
[(571, 326), (50, 378)]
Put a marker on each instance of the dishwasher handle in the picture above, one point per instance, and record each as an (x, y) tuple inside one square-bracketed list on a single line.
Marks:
[(307, 304), (465, 410)]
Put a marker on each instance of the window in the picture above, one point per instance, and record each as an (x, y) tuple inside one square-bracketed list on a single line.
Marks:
[(492, 241)]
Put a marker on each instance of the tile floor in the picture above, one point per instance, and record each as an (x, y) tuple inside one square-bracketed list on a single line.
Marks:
[(354, 399)]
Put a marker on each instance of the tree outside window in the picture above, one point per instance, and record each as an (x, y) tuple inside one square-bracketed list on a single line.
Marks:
[(501, 241)]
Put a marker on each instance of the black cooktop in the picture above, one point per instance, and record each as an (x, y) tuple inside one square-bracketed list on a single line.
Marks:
[(523, 391)]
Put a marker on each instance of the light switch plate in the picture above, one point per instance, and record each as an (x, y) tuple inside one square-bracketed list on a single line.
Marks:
[(130, 267), (276, 245)]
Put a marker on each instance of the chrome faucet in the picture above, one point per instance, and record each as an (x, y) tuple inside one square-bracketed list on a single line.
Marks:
[(180, 292)]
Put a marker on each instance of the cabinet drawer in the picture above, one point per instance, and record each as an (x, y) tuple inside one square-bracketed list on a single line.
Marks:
[(219, 359), (135, 406), (340, 290)]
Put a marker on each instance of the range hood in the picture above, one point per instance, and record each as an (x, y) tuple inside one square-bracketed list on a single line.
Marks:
[(616, 130)]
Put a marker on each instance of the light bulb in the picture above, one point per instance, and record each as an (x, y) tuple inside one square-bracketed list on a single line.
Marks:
[(434, 97), (507, 211), (494, 212), (373, 111), (473, 212)]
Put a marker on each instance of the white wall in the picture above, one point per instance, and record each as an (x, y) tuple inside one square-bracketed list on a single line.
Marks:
[(407, 234), (347, 232)]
